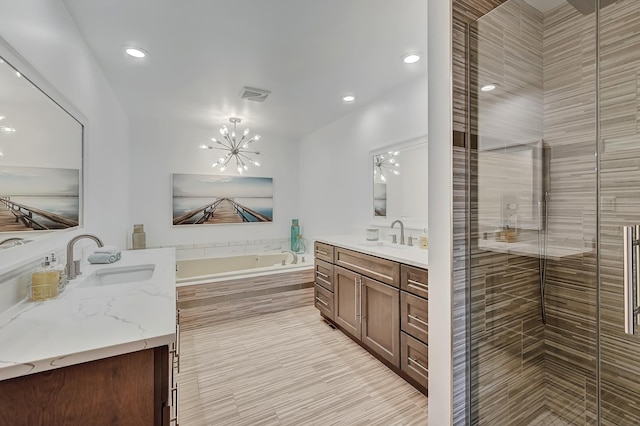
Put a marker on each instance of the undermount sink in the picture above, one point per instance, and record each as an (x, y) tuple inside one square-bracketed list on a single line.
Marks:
[(118, 275)]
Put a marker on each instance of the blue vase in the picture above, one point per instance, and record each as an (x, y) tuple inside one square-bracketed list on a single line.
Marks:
[(295, 231)]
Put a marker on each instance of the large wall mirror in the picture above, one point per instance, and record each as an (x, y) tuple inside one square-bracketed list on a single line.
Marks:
[(400, 183), (41, 146)]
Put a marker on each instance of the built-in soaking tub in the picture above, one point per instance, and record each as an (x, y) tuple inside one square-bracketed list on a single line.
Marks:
[(218, 289)]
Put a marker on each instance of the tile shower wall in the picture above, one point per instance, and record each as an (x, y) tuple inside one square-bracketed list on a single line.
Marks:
[(570, 131), (507, 348), (569, 340)]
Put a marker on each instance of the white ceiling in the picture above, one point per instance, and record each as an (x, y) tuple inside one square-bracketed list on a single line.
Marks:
[(309, 53)]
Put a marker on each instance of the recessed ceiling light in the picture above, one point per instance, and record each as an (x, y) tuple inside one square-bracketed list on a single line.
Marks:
[(410, 58), (349, 98), (488, 87), (135, 52)]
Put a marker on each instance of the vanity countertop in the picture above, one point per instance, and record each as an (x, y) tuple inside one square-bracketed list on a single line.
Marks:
[(85, 324), (414, 255)]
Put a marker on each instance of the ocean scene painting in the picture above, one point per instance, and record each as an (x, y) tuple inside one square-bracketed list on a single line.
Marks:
[(215, 199), (35, 198)]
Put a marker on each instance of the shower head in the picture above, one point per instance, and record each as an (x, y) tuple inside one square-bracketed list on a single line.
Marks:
[(589, 6)]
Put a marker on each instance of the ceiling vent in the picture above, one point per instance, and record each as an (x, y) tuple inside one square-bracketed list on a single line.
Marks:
[(253, 94)]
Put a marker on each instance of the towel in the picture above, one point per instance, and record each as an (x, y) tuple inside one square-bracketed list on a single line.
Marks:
[(103, 258), (107, 249)]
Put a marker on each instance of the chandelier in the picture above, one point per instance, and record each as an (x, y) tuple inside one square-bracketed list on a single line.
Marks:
[(385, 162), (236, 149)]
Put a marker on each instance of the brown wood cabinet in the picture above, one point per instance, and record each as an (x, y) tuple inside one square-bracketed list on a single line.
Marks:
[(128, 389), (380, 319), (347, 301), (361, 294)]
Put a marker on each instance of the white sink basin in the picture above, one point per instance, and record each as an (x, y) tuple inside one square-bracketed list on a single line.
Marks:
[(118, 275)]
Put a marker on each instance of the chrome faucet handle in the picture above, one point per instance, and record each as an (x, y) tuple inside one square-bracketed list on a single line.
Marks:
[(410, 243), (394, 239)]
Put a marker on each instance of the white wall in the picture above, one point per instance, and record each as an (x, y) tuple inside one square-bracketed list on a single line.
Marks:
[(44, 34), (440, 212), (335, 180), (160, 149)]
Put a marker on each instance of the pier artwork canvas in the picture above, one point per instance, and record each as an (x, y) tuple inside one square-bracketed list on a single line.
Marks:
[(38, 198), (216, 199)]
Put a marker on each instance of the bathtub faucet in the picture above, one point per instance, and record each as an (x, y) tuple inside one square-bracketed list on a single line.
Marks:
[(295, 256)]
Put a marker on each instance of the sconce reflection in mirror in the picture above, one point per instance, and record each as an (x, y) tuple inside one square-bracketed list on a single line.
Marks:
[(383, 163)]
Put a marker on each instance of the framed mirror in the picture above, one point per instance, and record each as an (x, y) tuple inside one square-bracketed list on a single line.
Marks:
[(41, 143), (400, 183)]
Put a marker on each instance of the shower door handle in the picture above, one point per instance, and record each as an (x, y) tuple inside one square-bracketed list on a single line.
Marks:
[(631, 275)]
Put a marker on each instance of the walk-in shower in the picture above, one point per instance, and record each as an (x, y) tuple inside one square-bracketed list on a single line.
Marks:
[(545, 299)]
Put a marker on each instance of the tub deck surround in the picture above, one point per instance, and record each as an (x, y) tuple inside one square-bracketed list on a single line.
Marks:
[(86, 324), (414, 256), (216, 269)]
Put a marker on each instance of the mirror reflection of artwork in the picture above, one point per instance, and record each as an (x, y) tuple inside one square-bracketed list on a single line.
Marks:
[(41, 136), (215, 199), (380, 199), (36, 199)]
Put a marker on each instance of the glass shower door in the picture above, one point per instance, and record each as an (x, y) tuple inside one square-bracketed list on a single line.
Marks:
[(619, 184)]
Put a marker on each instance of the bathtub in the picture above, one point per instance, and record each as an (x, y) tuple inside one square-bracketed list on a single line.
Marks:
[(214, 269)]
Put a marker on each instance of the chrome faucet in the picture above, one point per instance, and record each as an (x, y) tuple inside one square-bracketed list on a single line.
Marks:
[(401, 229), (73, 267), (295, 256)]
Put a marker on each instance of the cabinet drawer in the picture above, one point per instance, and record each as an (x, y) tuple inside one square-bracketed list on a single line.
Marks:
[(323, 251), (415, 280), (383, 270), (324, 274), (414, 314), (414, 359), (323, 301)]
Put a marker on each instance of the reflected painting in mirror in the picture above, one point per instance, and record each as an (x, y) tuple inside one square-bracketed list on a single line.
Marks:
[(40, 156)]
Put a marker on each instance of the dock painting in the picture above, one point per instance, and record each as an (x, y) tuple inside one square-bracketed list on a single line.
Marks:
[(215, 199), (36, 199)]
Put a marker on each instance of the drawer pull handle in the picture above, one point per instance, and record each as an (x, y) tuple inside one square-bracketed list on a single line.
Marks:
[(322, 275), (415, 361), (322, 301), (418, 285), (322, 252), (413, 317), (369, 271)]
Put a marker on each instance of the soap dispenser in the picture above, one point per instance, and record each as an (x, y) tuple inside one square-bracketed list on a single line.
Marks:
[(424, 240), (62, 276), (44, 281)]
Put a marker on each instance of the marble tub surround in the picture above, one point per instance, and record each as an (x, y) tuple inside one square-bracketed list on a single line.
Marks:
[(88, 323), (414, 255), (231, 248)]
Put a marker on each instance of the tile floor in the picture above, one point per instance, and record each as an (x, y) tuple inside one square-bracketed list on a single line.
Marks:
[(288, 368)]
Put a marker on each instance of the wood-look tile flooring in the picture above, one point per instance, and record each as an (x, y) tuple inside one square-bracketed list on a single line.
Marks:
[(288, 368), (548, 419)]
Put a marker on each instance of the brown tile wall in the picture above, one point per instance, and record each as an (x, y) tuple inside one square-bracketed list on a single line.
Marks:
[(518, 366)]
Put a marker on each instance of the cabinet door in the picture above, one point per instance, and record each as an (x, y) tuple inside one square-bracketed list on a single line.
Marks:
[(347, 300), (381, 319)]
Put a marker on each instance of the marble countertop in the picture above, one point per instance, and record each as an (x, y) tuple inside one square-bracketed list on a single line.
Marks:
[(85, 324), (414, 255)]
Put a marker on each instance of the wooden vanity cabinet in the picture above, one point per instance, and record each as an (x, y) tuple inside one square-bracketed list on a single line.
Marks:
[(369, 305), (380, 319), (128, 389), (414, 323), (367, 309)]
